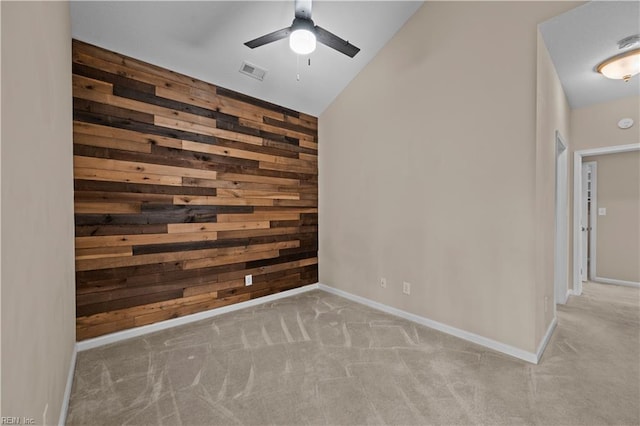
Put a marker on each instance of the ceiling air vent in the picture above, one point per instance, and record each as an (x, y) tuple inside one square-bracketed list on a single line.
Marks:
[(253, 70)]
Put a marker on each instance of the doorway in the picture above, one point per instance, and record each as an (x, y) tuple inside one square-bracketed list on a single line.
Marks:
[(578, 243)]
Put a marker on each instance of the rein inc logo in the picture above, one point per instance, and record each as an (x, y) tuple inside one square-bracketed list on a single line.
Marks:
[(4, 420)]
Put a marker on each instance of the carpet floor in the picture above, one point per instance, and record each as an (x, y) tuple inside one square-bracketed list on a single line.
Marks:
[(316, 358)]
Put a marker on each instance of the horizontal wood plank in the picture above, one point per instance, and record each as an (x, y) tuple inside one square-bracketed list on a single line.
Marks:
[(97, 207), (143, 239), (137, 167)]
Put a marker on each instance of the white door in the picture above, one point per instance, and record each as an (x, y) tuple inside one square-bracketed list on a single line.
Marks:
[(584, 220)]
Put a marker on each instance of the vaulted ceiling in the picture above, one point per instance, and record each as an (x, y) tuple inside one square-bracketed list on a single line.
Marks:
[(205, 40)]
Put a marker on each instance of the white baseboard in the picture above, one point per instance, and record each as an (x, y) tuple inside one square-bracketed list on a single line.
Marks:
[(545, 340), (462, 334), (67, 390), (616, 282), (163, 325)]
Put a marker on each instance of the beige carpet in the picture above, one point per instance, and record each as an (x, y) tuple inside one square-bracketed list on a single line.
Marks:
[(319, 359)]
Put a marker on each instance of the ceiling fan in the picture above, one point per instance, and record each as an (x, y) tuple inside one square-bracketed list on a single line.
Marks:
[(303, 34)]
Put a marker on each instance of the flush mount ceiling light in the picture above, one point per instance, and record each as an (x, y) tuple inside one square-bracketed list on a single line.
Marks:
[(624, 65)]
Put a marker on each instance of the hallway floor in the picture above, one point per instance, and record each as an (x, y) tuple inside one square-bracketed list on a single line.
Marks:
[(317, 358)]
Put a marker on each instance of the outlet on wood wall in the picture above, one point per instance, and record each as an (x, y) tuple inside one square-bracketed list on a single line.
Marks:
[(181, 189)]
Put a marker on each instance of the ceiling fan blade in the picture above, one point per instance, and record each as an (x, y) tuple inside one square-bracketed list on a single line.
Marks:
[(269, 38), (335, 42)]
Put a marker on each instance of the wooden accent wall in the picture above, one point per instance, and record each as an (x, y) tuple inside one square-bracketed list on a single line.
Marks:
[(181, 189)]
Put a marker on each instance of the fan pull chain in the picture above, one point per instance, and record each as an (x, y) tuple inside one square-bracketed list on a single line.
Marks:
[(298, 66)]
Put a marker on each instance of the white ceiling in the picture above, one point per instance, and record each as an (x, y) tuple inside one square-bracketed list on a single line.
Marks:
[(581, 38), (204, 39)]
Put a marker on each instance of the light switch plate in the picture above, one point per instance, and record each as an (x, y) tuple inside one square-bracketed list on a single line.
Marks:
[(248, 280), (602, 211)]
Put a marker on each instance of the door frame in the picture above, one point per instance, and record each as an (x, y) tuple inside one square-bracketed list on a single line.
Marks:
[(577, 197), (561, 253)]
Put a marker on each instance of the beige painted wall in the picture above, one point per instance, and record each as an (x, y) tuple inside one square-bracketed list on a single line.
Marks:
[(428, 171), (552, 114), (596, 127), (38, 333), (618, 233)]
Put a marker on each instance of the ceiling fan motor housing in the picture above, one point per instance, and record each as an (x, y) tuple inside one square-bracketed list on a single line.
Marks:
[(303, 24)]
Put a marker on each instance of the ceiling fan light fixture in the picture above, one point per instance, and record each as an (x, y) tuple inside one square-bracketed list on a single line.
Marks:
[(302, 41), (622, 66), (303, 36)]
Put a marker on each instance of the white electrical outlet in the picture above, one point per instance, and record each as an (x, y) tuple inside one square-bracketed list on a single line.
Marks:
[(383, 282), (406, 287), (248, 279)]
